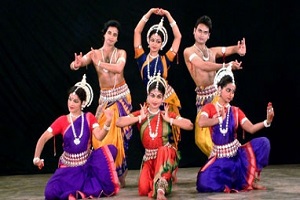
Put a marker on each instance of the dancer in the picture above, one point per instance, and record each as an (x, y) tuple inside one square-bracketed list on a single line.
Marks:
[(151, 63), (232, 166), (109, 63), (82, 172), (201, 63), (160, 158)]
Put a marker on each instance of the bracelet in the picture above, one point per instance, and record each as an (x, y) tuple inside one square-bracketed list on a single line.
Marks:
[(140, 119), (36, 160), (73, 66), (171, 121), (107, 128), (99, 63), (266, 123), (172, 24), (145, 19)]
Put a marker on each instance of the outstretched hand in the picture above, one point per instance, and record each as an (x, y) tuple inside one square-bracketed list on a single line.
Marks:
[(165, 113), (270, 113), (143, 111), (77, 60), (236, 65)]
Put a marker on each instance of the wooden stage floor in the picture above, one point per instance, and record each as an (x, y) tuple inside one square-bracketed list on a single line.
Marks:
[(282, 182)]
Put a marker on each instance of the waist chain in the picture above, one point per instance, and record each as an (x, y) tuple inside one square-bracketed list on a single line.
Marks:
[(227, 150)]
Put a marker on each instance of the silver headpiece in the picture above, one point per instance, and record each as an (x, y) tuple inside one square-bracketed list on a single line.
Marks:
[(156, 79), (223, 72), (88, 90), (159, 27)]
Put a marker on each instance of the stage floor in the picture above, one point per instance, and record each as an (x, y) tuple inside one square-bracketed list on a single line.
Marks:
[(282, 182)]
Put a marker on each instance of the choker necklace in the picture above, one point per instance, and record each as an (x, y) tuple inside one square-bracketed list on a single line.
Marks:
[(153, 56), (153, 135), (204, 58), (148, 66), (153, 113), (77, 139)]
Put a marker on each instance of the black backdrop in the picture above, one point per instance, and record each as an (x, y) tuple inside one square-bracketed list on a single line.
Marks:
[(39, 39)]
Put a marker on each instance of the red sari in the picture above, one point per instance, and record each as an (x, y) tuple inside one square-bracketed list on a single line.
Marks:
[(161, 158)]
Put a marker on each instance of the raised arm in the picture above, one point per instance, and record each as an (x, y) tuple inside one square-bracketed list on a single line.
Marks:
[(137, 36), (239, 48), (253, 128), (175, 29), (100, 133)]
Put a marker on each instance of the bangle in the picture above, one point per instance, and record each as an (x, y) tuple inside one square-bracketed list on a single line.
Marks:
[(145, 19), (220, 120), (171, 121), (172, 24), (99, 63), (73, 66), (106, 127), (36, 160), (140, 119), (266, 123), (223, 50)]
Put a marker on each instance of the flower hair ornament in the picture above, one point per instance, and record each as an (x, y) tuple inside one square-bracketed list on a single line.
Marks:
[(88, 90), (223, 72), (159, 27), (156, 79)]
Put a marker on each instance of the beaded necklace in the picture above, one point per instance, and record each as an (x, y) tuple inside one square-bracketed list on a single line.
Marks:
[(153, 135), (204, 58), (224, 130), (77, 139), (148, 66)]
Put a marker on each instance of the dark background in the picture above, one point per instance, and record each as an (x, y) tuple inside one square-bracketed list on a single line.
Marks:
[(39, 39)]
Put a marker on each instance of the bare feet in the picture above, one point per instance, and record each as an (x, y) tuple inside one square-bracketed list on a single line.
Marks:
[(256, 186), (160, 195), (122, 179)]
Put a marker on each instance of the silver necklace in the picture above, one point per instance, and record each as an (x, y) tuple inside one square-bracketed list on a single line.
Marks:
[(148, 66), (224, 130), (204, 58), (77, 139), (153, 135)]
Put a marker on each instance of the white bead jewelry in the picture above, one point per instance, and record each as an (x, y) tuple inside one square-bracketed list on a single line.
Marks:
[(148, 66), (107, 128), (172, 24), (153, 135), (171, 121), (204, 58), (266, 123), (77, 139)]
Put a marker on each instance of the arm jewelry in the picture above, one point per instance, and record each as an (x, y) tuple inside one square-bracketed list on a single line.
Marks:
[(36, 160), (145, 19), (172, 24), (171, 121), (192, 56), (266, 123), (140, 119), (106, 127), (99, 63)]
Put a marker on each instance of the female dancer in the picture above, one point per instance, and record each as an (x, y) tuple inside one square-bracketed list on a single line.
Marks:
[(231, 166), (152, 63), (82, 172), (160, 158)]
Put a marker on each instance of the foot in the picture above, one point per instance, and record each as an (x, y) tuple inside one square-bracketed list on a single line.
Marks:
[(257, 186), (160, 195), (122, 179)]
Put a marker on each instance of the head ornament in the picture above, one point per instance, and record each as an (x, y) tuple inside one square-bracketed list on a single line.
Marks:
[(156, 79), (159, 27), (223, 72), (88, 90)]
